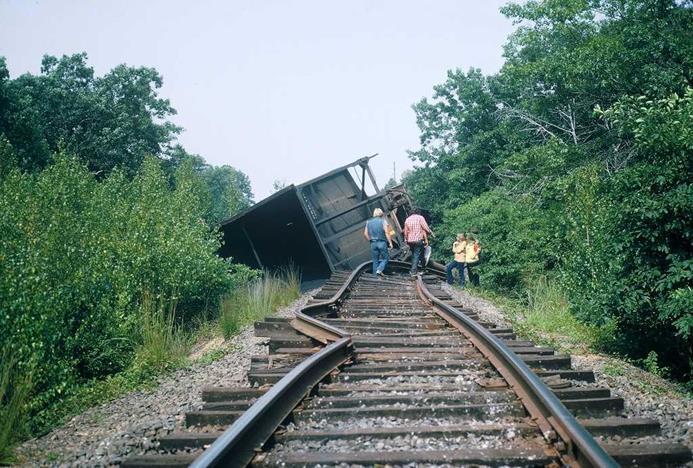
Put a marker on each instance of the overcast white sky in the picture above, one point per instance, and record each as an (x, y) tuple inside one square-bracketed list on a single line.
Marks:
[(278, 89)]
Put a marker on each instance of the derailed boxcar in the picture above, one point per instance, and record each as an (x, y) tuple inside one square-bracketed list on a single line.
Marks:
[(316, 226)]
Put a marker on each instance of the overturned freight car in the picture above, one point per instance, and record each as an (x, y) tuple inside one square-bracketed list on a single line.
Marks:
[(316, 226)]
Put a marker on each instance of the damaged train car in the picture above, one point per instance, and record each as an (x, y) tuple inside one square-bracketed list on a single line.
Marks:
[(318, 225)]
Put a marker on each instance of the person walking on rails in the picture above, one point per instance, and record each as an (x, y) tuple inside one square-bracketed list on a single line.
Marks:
[(459, 248), (378, 233), (416, 233)]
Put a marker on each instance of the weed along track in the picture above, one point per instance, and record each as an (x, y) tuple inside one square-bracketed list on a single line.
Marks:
[(389, 371)]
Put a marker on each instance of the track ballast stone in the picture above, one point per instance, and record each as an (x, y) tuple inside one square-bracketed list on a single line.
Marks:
[(646, 395)]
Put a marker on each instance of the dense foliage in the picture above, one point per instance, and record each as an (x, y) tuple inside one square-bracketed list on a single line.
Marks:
[(108, 122), (78, 254), (227, 190), (575, 160), (108, 239)]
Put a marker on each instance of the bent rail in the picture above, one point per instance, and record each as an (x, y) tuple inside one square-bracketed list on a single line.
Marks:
[(323, 306), (304, 321), (579, 447), (334, 300), (236, 446), (316, 329)]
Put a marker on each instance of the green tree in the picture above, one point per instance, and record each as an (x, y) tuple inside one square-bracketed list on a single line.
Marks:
[(110, 121), (600, 194), (230, 191), (8, 158), (459, 138), (390, 183), (226, 189), (648, 285), (278, 185)]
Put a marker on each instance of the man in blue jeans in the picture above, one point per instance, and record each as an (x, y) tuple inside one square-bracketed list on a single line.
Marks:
[(378, 234), (416, 232)]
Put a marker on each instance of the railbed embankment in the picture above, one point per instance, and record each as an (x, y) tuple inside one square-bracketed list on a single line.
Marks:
[(646, 395), (107, 434)]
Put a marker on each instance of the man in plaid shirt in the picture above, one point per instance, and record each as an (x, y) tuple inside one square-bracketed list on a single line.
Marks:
[(416, 233)]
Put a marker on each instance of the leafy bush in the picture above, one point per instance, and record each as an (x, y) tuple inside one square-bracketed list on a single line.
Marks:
[(651, 364), (76, 256), (514, 236), (585, 231), (643, 265)]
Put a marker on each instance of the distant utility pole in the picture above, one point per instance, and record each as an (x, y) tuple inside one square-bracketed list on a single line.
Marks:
[(394, 171)]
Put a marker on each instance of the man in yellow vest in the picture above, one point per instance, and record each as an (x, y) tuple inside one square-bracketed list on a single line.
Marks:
[(472, 251), (459, 248)]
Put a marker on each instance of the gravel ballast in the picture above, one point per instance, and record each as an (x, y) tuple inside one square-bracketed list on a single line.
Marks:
[(645, 394), (411, 441), (106, 434)]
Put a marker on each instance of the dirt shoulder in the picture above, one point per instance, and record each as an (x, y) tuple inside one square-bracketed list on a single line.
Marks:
[(645, 394)]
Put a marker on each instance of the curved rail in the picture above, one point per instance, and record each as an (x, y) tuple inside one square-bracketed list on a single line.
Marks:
[(579, 447), (236, 446), (323, 306), (316, 329), (322, 332), (331, 302)]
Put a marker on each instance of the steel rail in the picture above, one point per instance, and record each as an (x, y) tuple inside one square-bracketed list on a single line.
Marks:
[(316, 329), (237, 445), (327, 304), (579, 447), (324, 333)]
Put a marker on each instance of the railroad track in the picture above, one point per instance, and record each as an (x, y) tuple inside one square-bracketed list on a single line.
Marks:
[(389, 371)]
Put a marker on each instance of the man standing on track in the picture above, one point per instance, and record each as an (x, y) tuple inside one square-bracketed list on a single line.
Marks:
[(377, 232), (416, 233)]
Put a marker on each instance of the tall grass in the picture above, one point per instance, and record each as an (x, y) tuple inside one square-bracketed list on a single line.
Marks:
[(543, 314), (15, 388), (257, 299), (548, 316), (162, 344)]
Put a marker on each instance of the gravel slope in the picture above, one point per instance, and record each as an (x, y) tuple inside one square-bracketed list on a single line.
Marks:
[(646, 395), (106, 434)]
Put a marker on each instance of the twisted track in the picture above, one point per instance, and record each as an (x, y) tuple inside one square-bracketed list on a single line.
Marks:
[(406, 378)]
